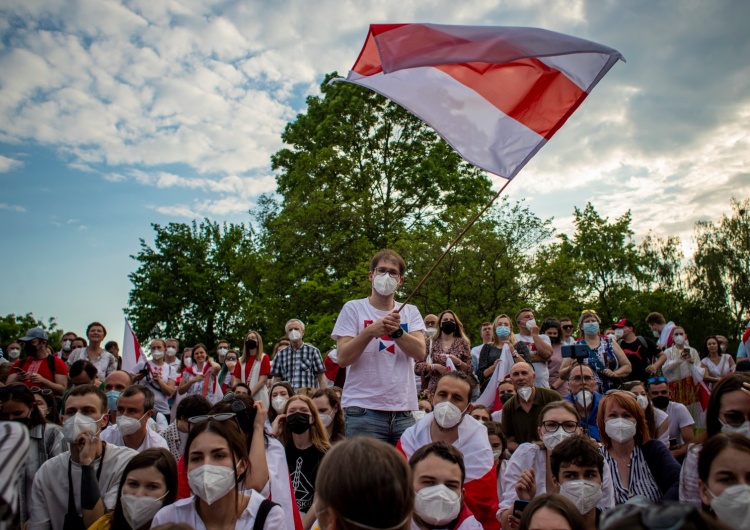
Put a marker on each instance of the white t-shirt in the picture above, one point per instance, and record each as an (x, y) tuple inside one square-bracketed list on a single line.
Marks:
[(183, 511), (679, 417), (49, 495), (166, 373), (383, 376), (659, 418), (540, 369), (153, 439)]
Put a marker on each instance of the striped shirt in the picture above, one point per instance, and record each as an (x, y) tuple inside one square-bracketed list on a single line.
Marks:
[(14, 446), (642, 481)]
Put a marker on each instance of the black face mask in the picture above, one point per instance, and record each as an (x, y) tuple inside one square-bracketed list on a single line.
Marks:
[(251, 344), (29, 349), (448, 327), (555, 340), (298, 422), (660, 402), (504, 398)]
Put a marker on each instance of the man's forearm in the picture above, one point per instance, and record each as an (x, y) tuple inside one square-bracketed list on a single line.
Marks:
[(412, 345), (349, 349), (543, 349)]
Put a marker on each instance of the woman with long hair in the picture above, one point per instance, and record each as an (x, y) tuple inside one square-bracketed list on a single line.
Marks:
[(683, 372), (551, 511), (503, 339), (331, 414), (657, 420), (551, 327), (253, 367), (201, 377), (18, 403), (45, 400), (724, 473), (148, 483), (450, 342), (280, 393), (717, 364), (217, 464)]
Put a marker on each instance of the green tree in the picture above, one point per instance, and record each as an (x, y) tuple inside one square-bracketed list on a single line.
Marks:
[(13, 327), (198, 283)]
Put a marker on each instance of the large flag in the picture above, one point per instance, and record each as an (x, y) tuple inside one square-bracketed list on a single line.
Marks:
[(131, 349), (489, 397), (495, 94)]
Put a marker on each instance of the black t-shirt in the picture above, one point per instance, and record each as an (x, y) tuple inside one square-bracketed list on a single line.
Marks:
[(303, 469), (639, 357)]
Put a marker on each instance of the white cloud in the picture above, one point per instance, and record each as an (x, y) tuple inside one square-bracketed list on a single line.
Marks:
[(12, 207), (9, 164)]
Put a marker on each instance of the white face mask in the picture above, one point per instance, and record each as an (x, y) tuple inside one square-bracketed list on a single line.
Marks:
[(656, 334), (78, 424), (583, 493), (530, 324), (128, 425), (43, 410), (171, 352), (743, 429), (497, 454), (551, 439), (384, 284), (437, 504), (326, 419), (447, 415), (642, 401), (223, 351), (157, 355), (679, 340), (525, 392), (295, 335), (733, 505), (187, 361), (620, 429), (430, 332), (418, 414), (584, 396), (723, 347), (278, 404), (211, 483), (14, 353), (140, 510), (66, 345), (619, 332)]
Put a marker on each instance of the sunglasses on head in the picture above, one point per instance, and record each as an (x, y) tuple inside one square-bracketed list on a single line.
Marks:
[(657, 380), (205, 417), (42, 391)]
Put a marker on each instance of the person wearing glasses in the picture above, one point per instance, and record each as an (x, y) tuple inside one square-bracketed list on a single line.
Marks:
[(18, 403), (526, 473), (217, 464), (378, 341), (582, 386), (567, 332), (450, 342), (299, 363), (640, 465)]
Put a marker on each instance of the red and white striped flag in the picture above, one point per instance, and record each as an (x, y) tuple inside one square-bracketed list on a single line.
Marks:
[(449, 364), (495, 94), (503, 368), (131, 349)]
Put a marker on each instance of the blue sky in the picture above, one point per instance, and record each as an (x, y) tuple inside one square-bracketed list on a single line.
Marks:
[(115, 115)]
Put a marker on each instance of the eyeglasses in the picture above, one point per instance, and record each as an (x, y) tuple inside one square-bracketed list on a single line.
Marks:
[(552, 426), (657, 380), (567, 326), (42, 391), (392, 273), (577, 379), (230, 359), (205, 417)]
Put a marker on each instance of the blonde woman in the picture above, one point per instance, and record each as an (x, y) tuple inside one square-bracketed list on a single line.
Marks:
[(253, 367), (306, 443), (450, 342), (489, 355)]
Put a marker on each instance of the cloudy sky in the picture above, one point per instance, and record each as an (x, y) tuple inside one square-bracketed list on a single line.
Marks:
[(115, 115)]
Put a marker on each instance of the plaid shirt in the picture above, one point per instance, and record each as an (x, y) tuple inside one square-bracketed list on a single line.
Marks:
[(298, 367)]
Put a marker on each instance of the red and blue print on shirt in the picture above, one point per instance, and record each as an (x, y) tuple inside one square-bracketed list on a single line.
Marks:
[(385, 342)]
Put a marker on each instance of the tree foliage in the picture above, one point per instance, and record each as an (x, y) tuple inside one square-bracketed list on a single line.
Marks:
[(13, 327)]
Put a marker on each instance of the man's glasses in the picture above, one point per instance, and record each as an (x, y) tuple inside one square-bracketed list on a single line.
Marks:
[(552, 426), (657, 380), (391, 272)]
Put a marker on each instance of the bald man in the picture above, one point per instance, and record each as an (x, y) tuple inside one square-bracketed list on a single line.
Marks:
[(521, 412)]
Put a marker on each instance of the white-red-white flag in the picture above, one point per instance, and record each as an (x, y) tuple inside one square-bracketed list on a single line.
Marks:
[(131, 349), (495, 94), (449, 364), (503, 368)]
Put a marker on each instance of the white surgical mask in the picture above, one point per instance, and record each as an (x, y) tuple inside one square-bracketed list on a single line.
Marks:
[(642, 401), (66, 345), (187, 361), (384, 284), (620, 429), (447, 415), (656, 334), (140, 510), (619, 332), (278, 404), (326, 419), (733, 505), (128, 425), (679, 339), (437, 505), (743, 429), (223, 351), (584, 396), (530, 324), (497, 454), (525, 392), (211, 483), (583, 493), (171, 352), (157, 355), (14, 353), (430, 332), (723, 347), (43, 410), (295, 335), (77, 424), (551, 439)]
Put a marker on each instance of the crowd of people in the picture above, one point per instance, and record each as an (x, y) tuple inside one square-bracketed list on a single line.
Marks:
[(571, 424)]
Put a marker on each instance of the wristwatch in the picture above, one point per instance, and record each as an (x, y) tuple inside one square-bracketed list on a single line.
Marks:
[(396, 334)]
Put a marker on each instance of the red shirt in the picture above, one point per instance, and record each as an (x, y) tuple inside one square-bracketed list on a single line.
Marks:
[(265, 368), (39, 366)]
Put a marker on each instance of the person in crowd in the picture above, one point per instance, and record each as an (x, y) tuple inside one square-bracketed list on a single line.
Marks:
[(605, 356), (683, 372), (113, 348), (331, 414), (540, 346), (526, 471), (222, 348), (680, 426), (306, 443), (582, 386), (551, 511), (723, 344), (216, 464), (105, 362), (241, 389), (356, 480), (717, 364), (186, 359), (38, 367), (253, 367), (438, 474), (487, 333), (14, 446), (450, 422), (644, 355), (640, 465), (504, 340), (663, 331), (83, 373), (173, 346), (521, 412), (201, 377), (226, 375), (280, 393), (728, 411), (567, 332), (47, 404), (77, 487), (177, 432), (450, 342), (498, 443), (551, 328), (114, 384), (12, 352), (505, 391), (78, 343), (378, 342), (656, 419), (299, 363), (431, 325), (724, 473), (481, 413), (17, 403), (282, 343), (135, 406), (157, 374), (66, 345), (148, 483)]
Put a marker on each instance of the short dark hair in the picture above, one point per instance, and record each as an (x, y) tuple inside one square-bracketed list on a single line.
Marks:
[(576, 450), (495, 428), (82, 365), (442, 450), (522, 310), (554, 502), (148, 395), (111, 344), (84, 390), (388, 255), (88, 328), (194, 405), (461, 376), (655, 318), (730, 383)]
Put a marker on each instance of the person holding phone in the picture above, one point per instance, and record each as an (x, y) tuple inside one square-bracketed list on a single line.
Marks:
[(38, 367)]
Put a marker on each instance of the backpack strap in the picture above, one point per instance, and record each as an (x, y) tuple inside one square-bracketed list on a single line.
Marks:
[(263, 510), (51, 364)]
